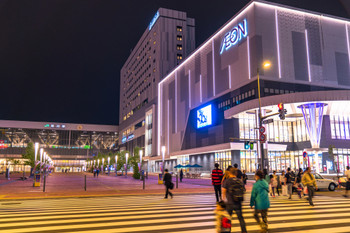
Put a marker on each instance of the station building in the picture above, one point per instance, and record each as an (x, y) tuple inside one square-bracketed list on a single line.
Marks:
[(69, 145), (207, 105)]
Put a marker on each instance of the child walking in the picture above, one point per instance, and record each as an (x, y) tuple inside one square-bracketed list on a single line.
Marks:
[(223, 219)]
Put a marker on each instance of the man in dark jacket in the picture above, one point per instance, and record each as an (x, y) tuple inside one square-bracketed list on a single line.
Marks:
[(167, 182), (216, 178), (233, 191)]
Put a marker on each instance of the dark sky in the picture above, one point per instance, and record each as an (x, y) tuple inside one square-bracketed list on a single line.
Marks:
[(60, 60)]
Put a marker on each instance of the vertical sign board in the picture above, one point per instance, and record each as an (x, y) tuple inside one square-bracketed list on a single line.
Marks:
[(37, 180), (204, 117)]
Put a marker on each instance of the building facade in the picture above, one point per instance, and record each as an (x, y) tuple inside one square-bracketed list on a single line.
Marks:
[(208, 105), (69, 145), (168, 39)]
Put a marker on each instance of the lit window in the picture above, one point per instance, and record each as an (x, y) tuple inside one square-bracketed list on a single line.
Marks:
[(179, 56), (179, 47), (179, 38), (179, 28)]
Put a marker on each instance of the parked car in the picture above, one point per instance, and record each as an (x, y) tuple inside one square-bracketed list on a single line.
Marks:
[(323, 183)]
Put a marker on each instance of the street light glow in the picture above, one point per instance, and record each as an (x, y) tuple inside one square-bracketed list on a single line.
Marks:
[(36, 151), (267, 64)]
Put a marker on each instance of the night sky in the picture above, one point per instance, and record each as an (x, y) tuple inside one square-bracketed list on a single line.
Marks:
[(60, 60)]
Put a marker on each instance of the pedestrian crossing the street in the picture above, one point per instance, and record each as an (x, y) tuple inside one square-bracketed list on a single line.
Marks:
[(184, 213)]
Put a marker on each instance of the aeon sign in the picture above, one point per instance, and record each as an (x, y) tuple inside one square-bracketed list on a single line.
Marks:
[(204, 117), (234, 36)]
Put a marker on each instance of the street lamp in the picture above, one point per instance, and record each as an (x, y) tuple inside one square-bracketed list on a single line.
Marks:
[(41, 154), (266, 65), (126, 164), (163, 154), (116, 165), (109, 159), (36, 151)]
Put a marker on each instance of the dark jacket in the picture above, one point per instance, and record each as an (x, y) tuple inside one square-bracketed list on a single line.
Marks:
[(167, 179)]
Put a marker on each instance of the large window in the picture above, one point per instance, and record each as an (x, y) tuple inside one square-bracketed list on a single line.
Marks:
[(223, 158), (340, 128)]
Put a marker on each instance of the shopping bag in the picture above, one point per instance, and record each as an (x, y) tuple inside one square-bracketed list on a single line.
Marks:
[(306, 191), (284, 190)]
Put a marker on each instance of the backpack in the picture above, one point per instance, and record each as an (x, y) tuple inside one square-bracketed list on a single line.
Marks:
[(225, 224), (236, 189)]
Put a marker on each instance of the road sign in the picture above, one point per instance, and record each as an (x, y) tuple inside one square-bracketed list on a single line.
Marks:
[(268, 121), (262, 137), (304, 154), (262, 129)]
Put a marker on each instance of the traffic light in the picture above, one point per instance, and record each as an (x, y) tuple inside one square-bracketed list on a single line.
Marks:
[(246, 145), (282, 111)]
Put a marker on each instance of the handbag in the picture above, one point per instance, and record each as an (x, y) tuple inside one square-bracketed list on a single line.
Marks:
[(305, 190), (171, 185)]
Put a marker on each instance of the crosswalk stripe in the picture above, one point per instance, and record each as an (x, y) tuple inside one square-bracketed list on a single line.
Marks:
[(185, 213)]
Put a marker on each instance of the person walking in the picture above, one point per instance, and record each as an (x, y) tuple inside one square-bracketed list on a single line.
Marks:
[(274, 184), (266, 176), (97, 171), (216, 179), (244, 178), (347, 174), (309, 181), (232, 192), (239, 172), (259, 200), (226, 174), (222, 218), (94, 172), (289, 183), (297, 183), (181, 175), (168, 184)]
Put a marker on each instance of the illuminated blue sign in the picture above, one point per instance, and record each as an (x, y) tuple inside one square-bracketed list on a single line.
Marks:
[(124, 140), (204, 117), (153, 21), (234, 36)]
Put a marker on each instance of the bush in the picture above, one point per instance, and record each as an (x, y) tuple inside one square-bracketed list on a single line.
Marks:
[(136, 174)]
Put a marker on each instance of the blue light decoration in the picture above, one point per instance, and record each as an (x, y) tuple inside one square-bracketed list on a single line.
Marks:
[(234, 36), (313, 116), (204, 116), (153, 21), (124, 140)]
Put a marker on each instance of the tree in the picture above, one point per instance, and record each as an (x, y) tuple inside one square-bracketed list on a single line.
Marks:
[(133, 161), (29, 157)]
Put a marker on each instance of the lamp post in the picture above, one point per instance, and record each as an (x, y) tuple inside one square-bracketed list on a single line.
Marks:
[(103, 165), (163, 155), (126, 164), (116, 165), (41, 154), (109, 159), (36, 151), (266, 65)]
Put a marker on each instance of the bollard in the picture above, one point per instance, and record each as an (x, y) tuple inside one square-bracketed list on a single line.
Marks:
[(177, 181), (44, 183), (143, 181), (85, 183)]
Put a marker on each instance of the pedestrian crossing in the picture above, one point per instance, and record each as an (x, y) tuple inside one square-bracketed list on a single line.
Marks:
[(184, 213)]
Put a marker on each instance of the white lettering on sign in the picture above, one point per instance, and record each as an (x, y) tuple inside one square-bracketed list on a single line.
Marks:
[(232, 37)]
